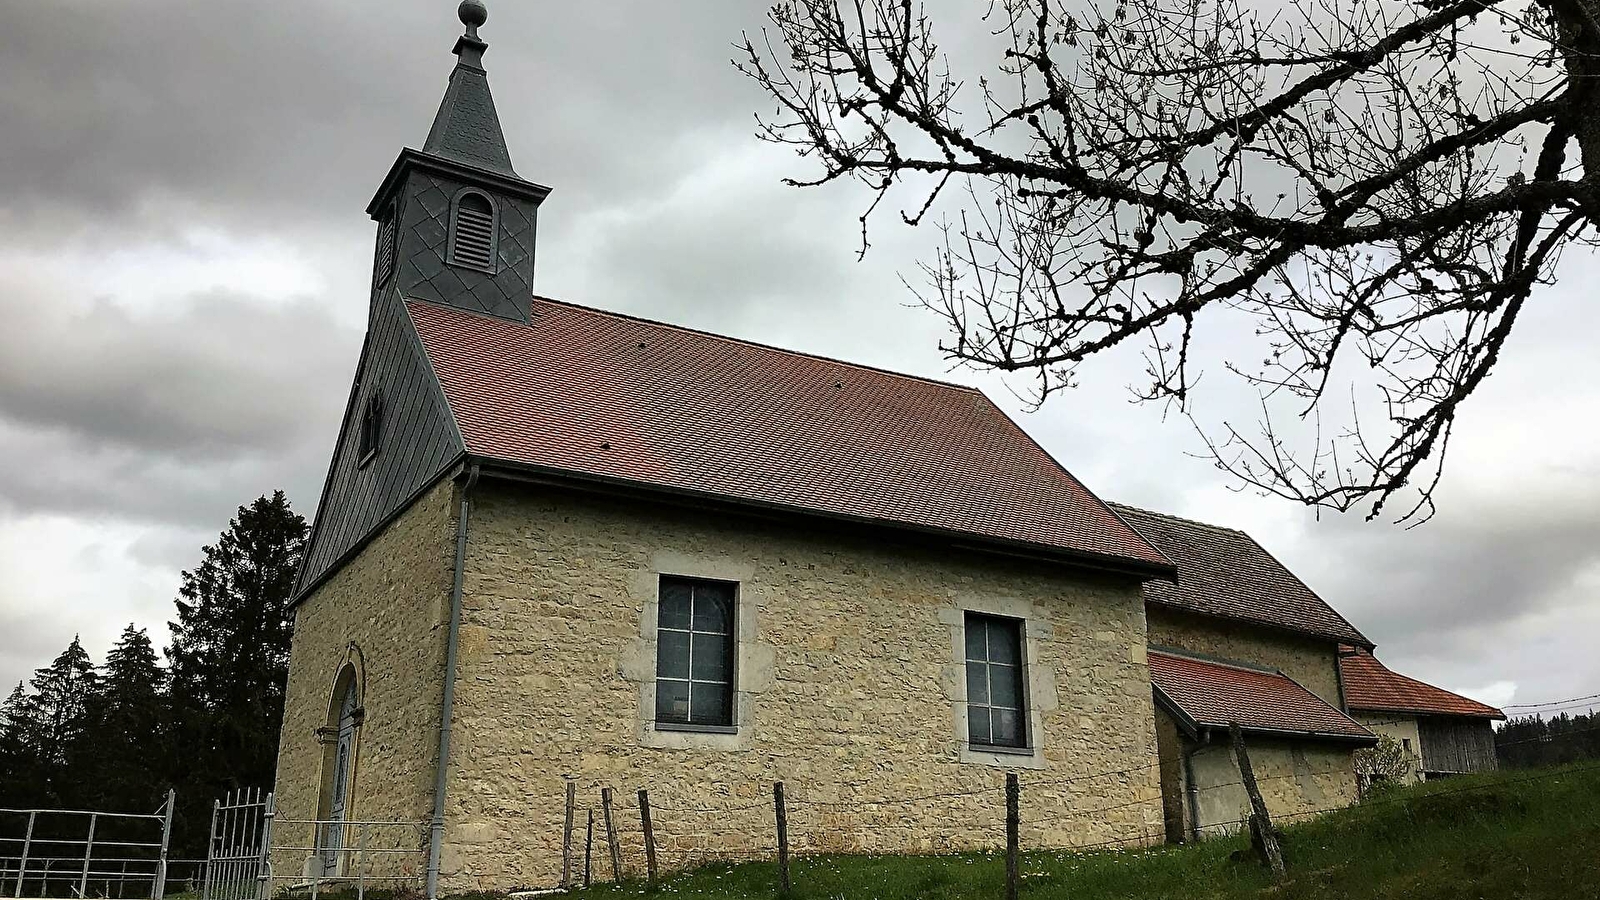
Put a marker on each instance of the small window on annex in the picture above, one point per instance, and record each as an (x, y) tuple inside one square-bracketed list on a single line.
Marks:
[(997, 713), (695, 653)]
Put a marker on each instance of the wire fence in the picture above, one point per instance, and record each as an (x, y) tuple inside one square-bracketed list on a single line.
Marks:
[(785, 816), (254, 853), (83, 853), (831, 817)]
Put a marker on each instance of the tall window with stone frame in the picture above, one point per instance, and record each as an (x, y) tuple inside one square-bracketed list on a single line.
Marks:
[(695, 653), (997, 708)]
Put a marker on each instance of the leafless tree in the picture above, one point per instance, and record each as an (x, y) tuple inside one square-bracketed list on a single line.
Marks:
[(1376, 185)]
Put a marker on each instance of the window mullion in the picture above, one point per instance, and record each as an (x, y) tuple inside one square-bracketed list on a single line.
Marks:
[(689, 675)]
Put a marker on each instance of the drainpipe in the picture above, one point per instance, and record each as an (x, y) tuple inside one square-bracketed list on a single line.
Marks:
[(1193, 791), (451, 651)]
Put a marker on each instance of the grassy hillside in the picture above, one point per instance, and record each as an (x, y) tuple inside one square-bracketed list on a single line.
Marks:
[(1523, 834)]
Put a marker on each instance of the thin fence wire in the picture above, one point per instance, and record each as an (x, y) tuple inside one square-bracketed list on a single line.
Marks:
[(78, 852)]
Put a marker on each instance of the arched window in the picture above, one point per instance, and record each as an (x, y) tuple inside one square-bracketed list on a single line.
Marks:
[(473, 231)]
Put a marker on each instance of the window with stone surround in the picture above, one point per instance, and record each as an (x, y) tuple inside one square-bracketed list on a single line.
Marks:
[(695, 653), (997, 712)]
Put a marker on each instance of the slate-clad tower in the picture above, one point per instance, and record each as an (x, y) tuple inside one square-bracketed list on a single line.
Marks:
[(456, 227), (456, 223)]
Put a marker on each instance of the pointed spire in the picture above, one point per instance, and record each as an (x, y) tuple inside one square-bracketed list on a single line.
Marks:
[(467, 128)]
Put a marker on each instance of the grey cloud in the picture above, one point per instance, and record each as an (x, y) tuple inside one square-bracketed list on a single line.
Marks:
[(209, 377), (263, 114), (165, 415)]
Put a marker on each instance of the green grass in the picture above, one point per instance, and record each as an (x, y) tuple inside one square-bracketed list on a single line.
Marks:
[(1523, 834)]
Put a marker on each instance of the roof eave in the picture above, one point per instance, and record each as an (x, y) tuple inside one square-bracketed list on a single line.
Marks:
[(1496, 715), (409, 157), (1365, 740), (1196, 729), (514, 470)]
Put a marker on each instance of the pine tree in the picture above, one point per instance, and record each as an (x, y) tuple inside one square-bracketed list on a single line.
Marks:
[(128, 730), (229, 656), (19, 761), (57, 714)]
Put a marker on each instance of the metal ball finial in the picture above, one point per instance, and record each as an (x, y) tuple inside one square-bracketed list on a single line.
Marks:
[(473, 14)]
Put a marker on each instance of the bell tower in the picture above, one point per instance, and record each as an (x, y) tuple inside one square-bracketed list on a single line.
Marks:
[(456, 223)]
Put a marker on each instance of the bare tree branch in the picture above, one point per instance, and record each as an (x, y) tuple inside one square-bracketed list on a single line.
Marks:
[(1350, 174)]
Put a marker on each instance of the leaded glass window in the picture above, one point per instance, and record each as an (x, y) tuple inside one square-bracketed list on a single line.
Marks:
[(996, 700), (694, 652)]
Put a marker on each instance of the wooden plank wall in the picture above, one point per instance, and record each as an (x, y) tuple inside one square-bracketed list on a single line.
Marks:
[(1456, 746)]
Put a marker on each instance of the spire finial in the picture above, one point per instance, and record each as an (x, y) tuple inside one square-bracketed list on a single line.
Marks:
[(473, 14)]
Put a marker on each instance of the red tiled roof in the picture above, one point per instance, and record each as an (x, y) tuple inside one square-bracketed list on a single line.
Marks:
[(1213, 694), (1224, 572), (600, 394), (1371, 685)]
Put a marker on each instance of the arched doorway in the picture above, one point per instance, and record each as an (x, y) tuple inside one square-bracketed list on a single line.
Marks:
[(339, 790), (340, 740)]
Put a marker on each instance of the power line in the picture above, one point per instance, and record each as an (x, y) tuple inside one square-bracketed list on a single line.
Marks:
[(1551, 702)]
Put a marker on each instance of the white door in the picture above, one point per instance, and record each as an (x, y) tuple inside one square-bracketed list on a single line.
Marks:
[(333, 832)]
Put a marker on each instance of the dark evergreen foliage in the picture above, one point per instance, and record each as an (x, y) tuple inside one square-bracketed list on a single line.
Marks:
[(129, 728), (1533, 741), (229, 657), (118, 737)]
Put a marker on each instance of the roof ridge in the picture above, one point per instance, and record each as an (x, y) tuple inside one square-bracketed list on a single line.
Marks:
[(749, 343), (1139, 510)]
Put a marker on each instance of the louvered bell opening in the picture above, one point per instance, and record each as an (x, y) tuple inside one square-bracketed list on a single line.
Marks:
[(386, 250), (474, 237)]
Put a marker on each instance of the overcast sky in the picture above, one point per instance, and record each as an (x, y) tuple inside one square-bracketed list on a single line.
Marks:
[(183, 270)]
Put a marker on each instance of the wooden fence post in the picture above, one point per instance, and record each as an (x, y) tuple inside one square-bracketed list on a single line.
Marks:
[(611, 835), (588, 848), (1013, 792), (783, 838), (1262, 834), (649, 835), (566, 837)]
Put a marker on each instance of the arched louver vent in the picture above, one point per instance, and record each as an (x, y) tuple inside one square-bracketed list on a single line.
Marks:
[(385, 266), (472, 233)]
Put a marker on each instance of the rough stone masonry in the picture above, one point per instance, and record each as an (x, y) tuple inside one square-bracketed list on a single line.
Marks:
[(850, 688)]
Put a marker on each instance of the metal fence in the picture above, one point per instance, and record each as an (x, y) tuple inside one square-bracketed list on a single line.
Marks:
[(348, 856), (312, 856), (117, 855)]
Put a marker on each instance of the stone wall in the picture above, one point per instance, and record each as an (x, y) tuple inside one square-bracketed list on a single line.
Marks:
[(850, 689), (1311, 661), (382, 617), (1297, 779), (1403, 729)]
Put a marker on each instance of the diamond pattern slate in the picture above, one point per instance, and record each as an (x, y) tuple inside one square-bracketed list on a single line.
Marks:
[(424, 249)]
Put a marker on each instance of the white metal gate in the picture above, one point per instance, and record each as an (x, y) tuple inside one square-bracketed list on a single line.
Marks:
[(238, 855)]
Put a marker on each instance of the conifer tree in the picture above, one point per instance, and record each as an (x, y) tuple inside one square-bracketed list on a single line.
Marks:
[(56, 714), (229, 655), (19, 763), (129, 730)]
